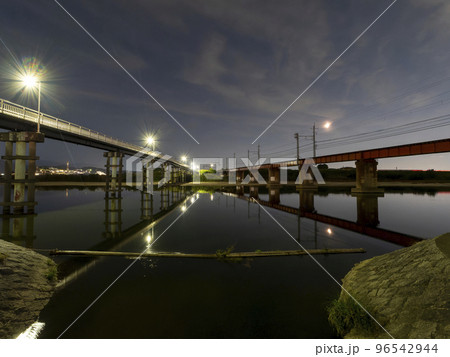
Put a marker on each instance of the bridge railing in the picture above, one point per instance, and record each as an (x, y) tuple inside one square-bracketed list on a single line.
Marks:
[(30, 115)]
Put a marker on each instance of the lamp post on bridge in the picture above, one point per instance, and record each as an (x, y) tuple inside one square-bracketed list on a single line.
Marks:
[(151, 141), (31, 82)]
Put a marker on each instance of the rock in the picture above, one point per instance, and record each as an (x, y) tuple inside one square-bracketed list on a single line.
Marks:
[(407, 291), (24, 288)]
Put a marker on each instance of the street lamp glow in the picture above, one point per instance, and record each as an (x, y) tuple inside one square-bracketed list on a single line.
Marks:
[(184, 158), (29, 81), (149, 140), (327, 125)]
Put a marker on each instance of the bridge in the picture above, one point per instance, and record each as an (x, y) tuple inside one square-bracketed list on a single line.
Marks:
[(22, 122), (366, 163)]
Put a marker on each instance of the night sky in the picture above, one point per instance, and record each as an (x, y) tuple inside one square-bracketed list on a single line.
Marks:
[(226, 69)]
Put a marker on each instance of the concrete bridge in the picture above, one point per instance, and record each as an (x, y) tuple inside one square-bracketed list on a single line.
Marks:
[(20, 162), (366, 164)]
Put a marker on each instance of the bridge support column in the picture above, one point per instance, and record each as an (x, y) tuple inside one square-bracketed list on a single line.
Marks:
[(366, 177), (113, 194), (24, 175), (167, 172), (274, 175), (239, 177), (114, 166)]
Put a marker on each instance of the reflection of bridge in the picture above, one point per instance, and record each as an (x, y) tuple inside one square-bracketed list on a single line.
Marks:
[(171, 197), (19, 229), (20, 164), (367, 215), (366, 163)]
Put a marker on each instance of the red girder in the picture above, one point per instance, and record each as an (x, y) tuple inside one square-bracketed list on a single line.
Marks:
[(424, 148)]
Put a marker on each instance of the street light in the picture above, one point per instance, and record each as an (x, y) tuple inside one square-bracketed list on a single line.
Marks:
[(184, 158), (31, 82), (151, 141)]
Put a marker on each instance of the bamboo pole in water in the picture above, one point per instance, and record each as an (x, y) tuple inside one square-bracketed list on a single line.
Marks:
[(220, 255)]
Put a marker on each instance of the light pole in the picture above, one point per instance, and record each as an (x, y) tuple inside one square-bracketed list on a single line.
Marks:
[(31, 82)]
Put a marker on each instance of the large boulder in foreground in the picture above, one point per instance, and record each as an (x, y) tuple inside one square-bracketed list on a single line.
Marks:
[(407, 291), (27, 281)]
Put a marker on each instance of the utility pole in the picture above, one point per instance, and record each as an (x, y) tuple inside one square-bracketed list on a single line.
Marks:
[(248, 154), (258, 153), (314, 141), (298, 148)]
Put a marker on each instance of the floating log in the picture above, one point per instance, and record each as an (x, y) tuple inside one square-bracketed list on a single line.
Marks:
[(219, 255)]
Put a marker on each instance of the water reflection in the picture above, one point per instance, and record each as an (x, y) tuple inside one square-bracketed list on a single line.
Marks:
[(367, 214), (19, 229), (170, 197), (18, 217)]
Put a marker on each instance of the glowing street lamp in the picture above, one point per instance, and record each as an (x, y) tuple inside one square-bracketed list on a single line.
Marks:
[(150, 141), (31, 82), (184, 158)]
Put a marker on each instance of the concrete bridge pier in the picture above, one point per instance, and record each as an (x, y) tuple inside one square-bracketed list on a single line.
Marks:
[(114, 166), (240, 177), (167, 172), (274, 175), (366, 177), (174, 175), (24, 171)]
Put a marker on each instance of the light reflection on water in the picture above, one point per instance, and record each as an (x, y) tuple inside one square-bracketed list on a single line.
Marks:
[(266, 297)]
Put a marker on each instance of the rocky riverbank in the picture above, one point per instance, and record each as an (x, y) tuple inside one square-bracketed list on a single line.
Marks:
[(27, 281), (407, 291)]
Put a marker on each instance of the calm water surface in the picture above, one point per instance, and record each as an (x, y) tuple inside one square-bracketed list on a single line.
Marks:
[(283, 297)]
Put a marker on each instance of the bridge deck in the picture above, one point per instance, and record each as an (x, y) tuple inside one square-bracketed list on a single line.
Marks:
[(423, 148), (16, 117)]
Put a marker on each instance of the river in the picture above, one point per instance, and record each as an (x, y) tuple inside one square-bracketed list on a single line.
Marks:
[(273, 297)]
